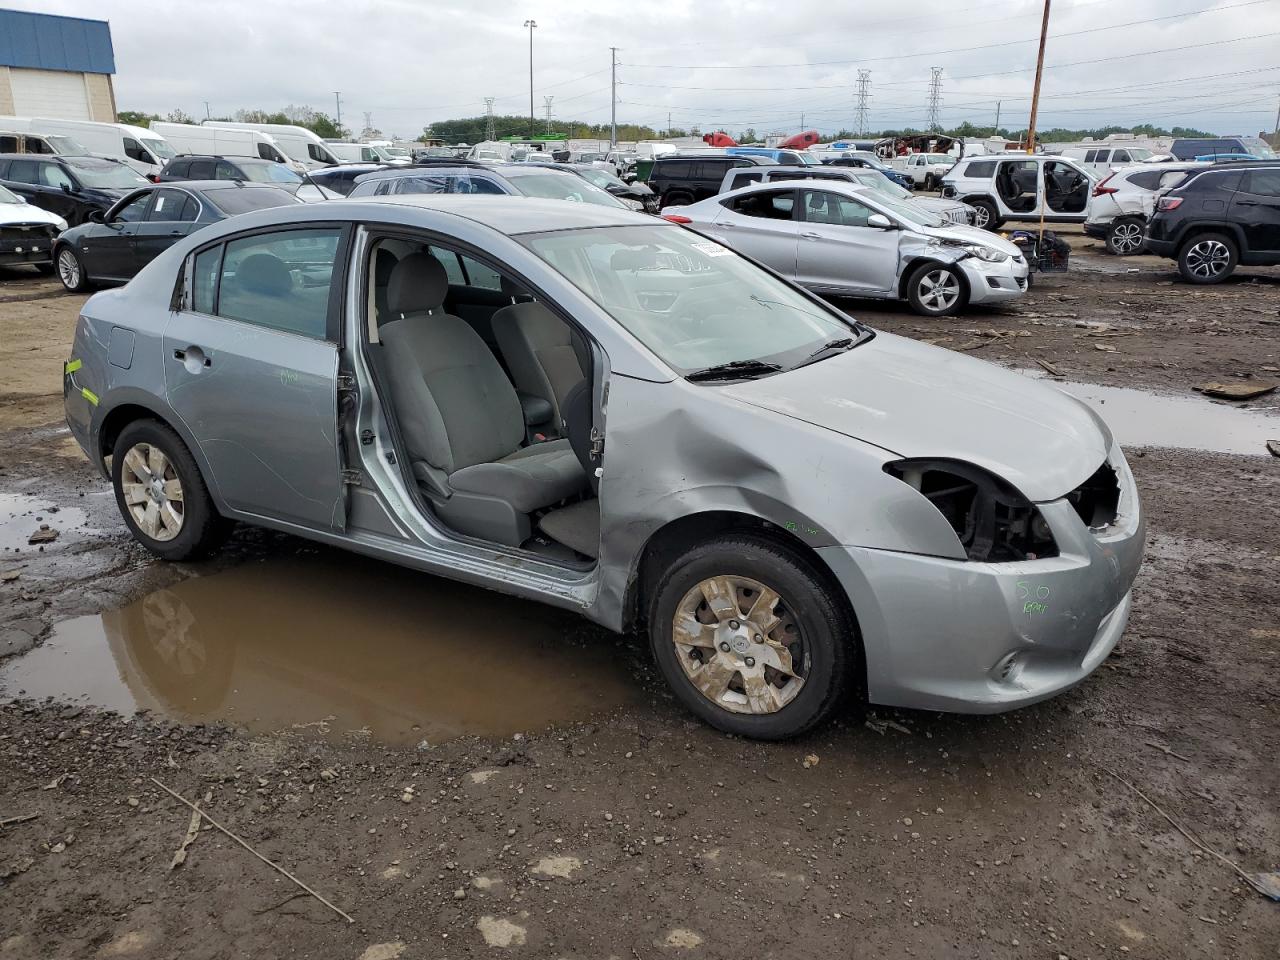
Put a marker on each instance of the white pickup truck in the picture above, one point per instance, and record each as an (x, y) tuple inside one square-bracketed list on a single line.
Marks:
[(926, 170)]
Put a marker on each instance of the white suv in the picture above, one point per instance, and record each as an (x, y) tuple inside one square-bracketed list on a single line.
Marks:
[(1124, 201), (1018, 186)]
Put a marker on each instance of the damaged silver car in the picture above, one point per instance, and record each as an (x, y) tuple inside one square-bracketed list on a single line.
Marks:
[(844, 239), (593, 409)]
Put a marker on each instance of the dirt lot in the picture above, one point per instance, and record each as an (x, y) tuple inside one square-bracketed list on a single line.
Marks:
[(575, 810)]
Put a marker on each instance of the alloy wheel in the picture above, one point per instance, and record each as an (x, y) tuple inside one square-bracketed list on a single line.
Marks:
[(68, 269), (739, 645), (152, 492), (1126, 237), (1208, 259), (939, 290)]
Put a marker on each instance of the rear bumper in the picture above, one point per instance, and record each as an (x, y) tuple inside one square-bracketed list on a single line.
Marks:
[(1097, 229), (1161, 248)]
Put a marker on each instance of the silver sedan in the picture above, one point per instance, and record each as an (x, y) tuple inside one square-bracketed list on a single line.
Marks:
[(591, 408), (842, 238)]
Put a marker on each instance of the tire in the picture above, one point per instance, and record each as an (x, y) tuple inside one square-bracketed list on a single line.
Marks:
[(71, 269), (937, 290), (1208, 258), (184, 526), (929, 183), (825, 643), (1126, 236), (985, 215)]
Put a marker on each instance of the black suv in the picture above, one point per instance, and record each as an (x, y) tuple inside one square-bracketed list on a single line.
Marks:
[(1218, 218), (71, 187), (209, 167), (680, 180)]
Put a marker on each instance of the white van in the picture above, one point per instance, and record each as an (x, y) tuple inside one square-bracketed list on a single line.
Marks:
[(358, 152), (144, 150), (298, 143), (220, 142), (1103, 158)]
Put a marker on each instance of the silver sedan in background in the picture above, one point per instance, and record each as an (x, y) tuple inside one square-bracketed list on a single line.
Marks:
[(842, 238)]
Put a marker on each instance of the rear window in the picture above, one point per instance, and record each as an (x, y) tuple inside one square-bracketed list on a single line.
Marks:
[(235, 200), (1149, 180), (980, 168)]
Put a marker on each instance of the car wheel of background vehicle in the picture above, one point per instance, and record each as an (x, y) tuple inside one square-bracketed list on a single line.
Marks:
[(1125, 237), (71, 270), (1207, 258), (984, 215), (751, 638), (929, 182), (161, 495), (936, 290)]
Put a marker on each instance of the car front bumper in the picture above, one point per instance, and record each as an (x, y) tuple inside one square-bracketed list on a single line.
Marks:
[(994, 282), (968, 637)]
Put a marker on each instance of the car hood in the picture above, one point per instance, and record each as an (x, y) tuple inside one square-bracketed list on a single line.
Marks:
[(939, 205), (916, 400), (967, 234), (26, 213)]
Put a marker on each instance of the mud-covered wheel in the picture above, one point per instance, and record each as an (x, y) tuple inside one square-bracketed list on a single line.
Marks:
[(936, 290), (751, 638), (1208, 258), (71, 270), (1126, 236), (161, 495)]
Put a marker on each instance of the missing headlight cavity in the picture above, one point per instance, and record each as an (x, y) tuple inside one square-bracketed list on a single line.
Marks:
[(994, 521), (1098, 498)]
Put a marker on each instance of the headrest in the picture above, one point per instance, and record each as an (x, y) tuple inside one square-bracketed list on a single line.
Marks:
[(418, 284), (264, 273), (514, 293)]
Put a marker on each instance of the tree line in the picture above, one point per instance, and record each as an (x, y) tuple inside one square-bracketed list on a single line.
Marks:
[(318, 123)]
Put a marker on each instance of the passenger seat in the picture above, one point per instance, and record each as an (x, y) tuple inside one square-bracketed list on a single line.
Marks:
[(547, 358)]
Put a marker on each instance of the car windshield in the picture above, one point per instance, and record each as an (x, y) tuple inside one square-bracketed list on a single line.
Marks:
[(233, 200), (1258, 148), (107, 175), (160, 148), (559, 186), (68, 146), (693, 302), (7, 196), (883, 185), (910, 210), (270, 173)]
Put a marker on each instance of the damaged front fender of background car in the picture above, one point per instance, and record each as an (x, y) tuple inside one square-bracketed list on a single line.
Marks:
[(680, 449)]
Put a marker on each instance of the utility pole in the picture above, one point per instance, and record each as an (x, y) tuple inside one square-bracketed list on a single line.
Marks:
[(1035, 93), (998, 102), (935, 98), (613, 97), (864, 95), (337, 100), (531, 24), (1276, 132), (668, 124), (490, 133), (547, 103), (368, 120), (207, 114)]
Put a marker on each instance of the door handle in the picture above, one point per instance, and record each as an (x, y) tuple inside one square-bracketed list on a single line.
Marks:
[(192, 357), (1248, 203), (811, 236)]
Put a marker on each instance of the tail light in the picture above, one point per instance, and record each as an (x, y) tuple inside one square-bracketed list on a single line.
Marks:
[(1102, 189), (1168, 203), (153, 177), (676, 218)]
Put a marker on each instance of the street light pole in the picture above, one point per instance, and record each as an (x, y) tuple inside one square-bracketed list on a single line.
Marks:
[(1035, 94), (531, 24)]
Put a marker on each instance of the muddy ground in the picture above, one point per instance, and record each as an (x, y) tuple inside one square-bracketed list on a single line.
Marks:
[(573, 810)]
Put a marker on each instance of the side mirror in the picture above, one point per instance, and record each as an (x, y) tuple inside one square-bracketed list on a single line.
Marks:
[(66, 187), (880, 222), (97, 216)]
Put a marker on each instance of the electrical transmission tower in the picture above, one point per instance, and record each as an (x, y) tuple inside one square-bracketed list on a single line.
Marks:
[(547, 103), (864, 98), (490, 132), (368, 120), (935, 98)]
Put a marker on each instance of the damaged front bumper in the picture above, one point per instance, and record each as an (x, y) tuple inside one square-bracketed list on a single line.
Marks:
[(994, 282), (968, 637)]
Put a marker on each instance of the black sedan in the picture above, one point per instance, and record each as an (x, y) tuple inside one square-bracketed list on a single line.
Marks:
[(114, 246)]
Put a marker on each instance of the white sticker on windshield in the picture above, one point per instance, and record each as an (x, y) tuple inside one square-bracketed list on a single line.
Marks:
[(712, 249)]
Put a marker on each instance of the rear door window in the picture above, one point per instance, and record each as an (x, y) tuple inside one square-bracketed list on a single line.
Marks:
[(768, 205), (172, 206), (980, 169), (675, 169), (25, 171), (178, 168), (1264, 183), (1148, 179)]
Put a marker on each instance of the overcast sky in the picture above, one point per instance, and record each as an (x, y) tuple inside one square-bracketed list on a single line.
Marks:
[(727, 64)]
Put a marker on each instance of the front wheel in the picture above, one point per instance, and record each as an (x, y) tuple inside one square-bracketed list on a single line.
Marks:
[(161, 495), (936, 290), (1208, 258), (1125, 237), (71, 270), (751, 638)]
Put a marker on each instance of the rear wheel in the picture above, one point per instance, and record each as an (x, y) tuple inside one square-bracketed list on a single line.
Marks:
[(1208, 258), (71, 270), (161, 495), (1125, 236), (751, 638), (936, 290), (984, 214)]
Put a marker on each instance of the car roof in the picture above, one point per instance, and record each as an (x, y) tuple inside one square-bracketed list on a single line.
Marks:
[(63, 158), (230, 158)]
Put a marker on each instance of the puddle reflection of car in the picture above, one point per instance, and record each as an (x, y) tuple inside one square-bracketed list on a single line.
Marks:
[(841, 238), (111, 247), (790, 505)]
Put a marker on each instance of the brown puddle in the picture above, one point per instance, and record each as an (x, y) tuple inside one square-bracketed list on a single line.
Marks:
[(331, 646)]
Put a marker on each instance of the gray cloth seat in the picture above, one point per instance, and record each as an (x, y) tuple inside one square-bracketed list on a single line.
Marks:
[(460, 416), (546, 358)]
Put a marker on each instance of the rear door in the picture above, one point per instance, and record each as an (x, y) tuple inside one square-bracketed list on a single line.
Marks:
[(839, 250), (172, 216), (251, 367), (762, 224), (1256, 207), (107, 249)]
